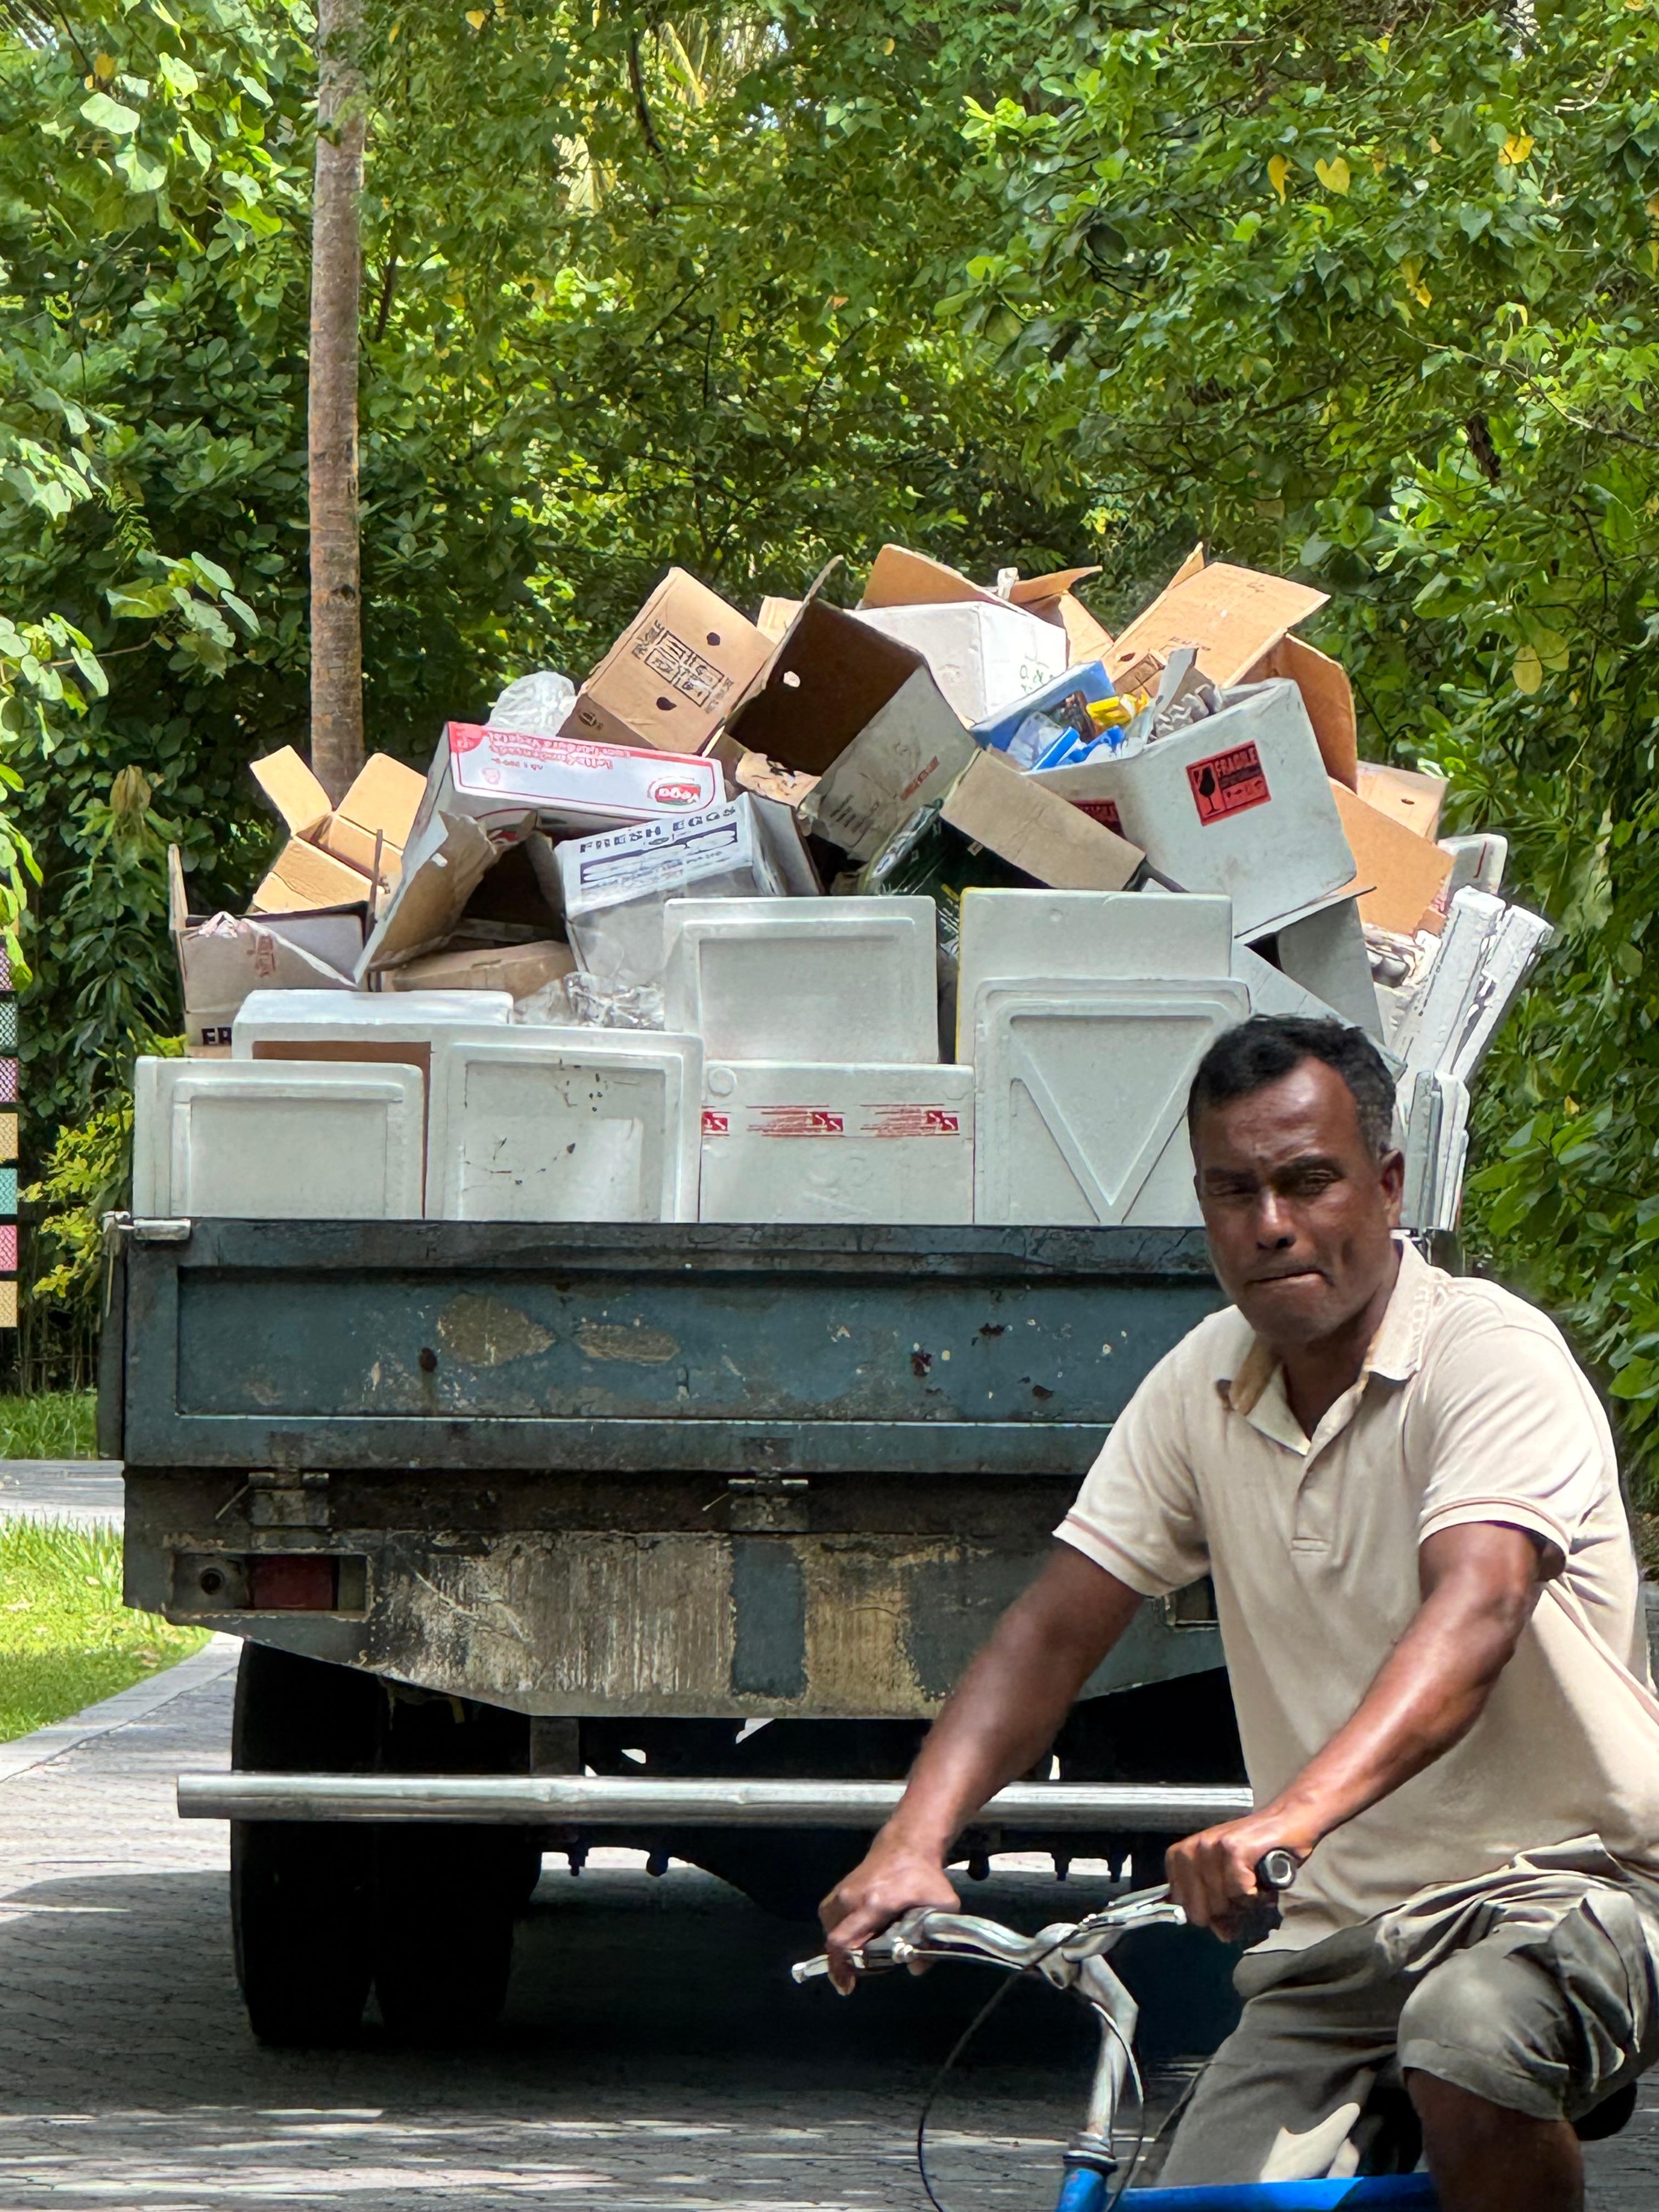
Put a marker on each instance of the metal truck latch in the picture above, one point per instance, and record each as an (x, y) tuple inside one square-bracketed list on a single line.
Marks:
[(287, 1501)]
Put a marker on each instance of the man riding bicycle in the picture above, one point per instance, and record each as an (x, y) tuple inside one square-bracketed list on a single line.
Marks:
[(1405, 1491)]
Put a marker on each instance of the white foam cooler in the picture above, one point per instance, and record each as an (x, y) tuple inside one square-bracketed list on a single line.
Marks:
[(1238, 803), (335, 1019), (1081, 1098), (277, 1141), (826, 980), (856, 1144), (564, 1124), (1061, 938)]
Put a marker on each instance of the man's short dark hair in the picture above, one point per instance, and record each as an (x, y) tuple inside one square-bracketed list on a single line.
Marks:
[(1261, 1051)]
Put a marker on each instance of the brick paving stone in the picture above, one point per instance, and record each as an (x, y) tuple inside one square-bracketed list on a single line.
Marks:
[(654, 2054)]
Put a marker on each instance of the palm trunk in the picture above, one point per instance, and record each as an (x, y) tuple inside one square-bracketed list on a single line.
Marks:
[(336, 638)]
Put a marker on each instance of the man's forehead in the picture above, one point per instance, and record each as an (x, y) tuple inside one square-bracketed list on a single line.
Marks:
[(1311, 1111)]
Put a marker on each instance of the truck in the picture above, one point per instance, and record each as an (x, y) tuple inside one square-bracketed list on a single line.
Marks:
[(675, 1536)]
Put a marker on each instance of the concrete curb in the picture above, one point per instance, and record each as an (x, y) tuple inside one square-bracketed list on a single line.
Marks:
[(216, 1659)]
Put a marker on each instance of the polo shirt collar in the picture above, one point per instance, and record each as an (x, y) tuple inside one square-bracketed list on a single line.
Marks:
[(1396, 1351)]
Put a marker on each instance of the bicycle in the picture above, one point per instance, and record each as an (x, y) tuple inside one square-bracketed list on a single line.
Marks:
[(1072, 1955)]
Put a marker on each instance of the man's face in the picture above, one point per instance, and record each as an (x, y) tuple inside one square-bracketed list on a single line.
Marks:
[(1297, 1211)]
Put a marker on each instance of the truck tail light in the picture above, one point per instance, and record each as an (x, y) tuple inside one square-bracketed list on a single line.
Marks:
[(293, 1581)]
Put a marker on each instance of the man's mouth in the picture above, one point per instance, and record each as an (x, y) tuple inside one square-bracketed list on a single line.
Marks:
[(1286, 1275)]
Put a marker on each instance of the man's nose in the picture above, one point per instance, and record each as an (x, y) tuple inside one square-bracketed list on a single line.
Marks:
[(1274, 1226)]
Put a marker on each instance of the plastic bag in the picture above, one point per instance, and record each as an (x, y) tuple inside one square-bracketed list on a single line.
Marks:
[(539, 704), (606, 1005)]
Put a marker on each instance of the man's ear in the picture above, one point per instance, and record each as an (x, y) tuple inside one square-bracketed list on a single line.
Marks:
[(1391, 1174)]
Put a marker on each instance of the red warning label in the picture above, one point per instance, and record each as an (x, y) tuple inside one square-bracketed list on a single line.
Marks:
[(1103, 811), (1228, 783), (715, 1124), (795, 1122), (910, 1121)]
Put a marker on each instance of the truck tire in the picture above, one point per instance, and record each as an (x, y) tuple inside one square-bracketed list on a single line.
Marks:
[(446, 1897), (300, 1890)]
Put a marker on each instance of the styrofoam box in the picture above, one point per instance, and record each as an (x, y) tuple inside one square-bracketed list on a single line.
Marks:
[(856, 1144), (566, 1124), (836, 980), (1237, 803), (1081, 1098), (335, 1017), (277, 1141), (983, 657), (1059, 938)]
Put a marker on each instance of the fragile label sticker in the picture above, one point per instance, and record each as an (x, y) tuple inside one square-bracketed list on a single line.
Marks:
[(796, 1121), (715, 1124), (1227, 783), (911, 1120), (1103, 811), (680, 666)]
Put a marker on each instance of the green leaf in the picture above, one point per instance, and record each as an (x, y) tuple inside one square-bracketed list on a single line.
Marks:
[(107, 114)]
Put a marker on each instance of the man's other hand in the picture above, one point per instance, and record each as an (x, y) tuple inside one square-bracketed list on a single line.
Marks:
[(1213, 1875), (893, 1879)]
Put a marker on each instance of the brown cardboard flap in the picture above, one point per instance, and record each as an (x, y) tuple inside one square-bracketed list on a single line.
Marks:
[(765, 779), (1328, 698), (901, 578), (1407, 872), (384, 797), (518, 969), (1412, 797), (1037, 831), (302, 876), (776, 616), (1233, 615), (177, 901), (294, 790), (1036, 593), (443, 865)]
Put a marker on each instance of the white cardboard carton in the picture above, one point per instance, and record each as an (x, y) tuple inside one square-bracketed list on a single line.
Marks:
[(815, 1143), (496, 776), (1081, 1098), (1051, 939), (819, 980), (271, 1140), (614, 886), (984, 654), (1237, 803), (564, 1124)]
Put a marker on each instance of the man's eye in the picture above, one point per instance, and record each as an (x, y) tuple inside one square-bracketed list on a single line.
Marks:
[(1310, 1184)]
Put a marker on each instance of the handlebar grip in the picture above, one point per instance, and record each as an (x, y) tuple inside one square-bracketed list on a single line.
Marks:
[(1276, 1869)]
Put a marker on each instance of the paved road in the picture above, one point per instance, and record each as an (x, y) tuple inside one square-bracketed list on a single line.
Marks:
[(654, 2054), (86, 1491)]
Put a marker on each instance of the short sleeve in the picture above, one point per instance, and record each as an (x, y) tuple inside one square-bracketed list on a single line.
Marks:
[(1136, 1515), (1507, 1429)]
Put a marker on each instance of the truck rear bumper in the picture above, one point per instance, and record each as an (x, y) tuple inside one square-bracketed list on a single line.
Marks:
[(603, 1801)]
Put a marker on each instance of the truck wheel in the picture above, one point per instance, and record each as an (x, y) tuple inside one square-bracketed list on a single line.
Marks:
[(300, 1890), (444, 1901)]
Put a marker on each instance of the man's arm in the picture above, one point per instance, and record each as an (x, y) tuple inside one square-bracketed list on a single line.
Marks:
[(1000, 1720), (1479, 1582)]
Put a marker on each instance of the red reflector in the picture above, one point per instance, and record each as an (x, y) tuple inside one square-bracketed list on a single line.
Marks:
[(296, 1581)]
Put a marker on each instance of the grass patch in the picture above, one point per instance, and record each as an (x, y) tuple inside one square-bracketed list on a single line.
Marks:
[(48, 1425), (66, 1640)]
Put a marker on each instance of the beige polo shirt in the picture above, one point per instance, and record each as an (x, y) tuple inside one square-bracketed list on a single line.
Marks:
[(1469, 1407)]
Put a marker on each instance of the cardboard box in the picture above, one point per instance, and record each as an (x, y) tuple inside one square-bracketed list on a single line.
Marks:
[(886, 1145), (672, 675), (1402, 873), (614, 887), (303, 877), (443, 863), (1240, 620), (495, 776), (862, 714), (518, 970), (1413, 799), (1238, 803), (222, 957), (984, 654), (377, 812), (901, 579), (1037, 831)]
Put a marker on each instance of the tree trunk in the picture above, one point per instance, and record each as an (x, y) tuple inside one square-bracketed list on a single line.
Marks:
[(337, 636)]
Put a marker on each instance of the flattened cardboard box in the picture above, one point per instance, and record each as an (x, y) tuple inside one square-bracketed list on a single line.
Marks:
[(672, 675), (862, 714), (518, 969), (1240, 620)]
